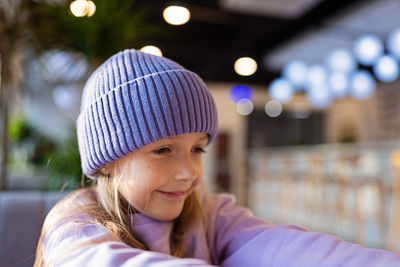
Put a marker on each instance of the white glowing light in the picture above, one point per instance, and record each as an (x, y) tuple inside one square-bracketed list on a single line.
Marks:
[(386, 69), (79, 8), (244, 106), (61, 66), (296, 72), (393, 43), (91, 8), (176, 15), (319, 96), (151, 49), (367, 49), (281, 90), (245, 66), (341, 60), (66, 98), (316, 75), (338, 82), (273, 108), (362, 85)]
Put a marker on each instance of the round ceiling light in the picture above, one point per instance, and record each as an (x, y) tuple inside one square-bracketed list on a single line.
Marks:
[(341, 60), (338, 83), (176, 15), (393, 43), (386, 69), (362, 85), (239, 92), (81, 8), (319, 96), (296, 73), (367, 49), (316, 75), (281, 90), (245, 66), (151, 49), (244, 107), (273, 108)]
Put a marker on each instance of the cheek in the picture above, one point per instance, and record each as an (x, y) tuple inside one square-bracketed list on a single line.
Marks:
[(200, 170), (134, 192), (138, 186)]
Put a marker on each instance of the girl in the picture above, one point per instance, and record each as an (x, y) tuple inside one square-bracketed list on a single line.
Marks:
[(144, 124)]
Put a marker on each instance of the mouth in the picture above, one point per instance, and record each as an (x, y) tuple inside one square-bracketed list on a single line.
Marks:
[(175, 195)]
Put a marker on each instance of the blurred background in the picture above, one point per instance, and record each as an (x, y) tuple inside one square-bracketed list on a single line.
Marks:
[(308, 96)]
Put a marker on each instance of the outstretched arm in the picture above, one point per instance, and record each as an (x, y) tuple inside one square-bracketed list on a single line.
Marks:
[(244, 240), (75, 244)]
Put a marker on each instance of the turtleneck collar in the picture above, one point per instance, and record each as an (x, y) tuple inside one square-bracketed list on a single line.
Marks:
[(155, 234)]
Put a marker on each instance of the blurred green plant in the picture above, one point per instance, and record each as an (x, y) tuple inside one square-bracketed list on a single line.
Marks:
[(48, 24), (116, 25), (59, 160), (64, 169), (19, 129)]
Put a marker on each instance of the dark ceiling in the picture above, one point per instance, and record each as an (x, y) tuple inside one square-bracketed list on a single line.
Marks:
[(214, 37)]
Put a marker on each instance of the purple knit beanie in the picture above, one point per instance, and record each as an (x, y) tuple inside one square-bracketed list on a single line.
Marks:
[(134, 99)]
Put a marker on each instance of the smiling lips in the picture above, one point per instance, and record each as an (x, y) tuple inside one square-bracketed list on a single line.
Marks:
[(175, 195)]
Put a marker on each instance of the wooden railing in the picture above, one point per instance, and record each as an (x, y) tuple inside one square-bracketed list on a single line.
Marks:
[(351, 191)]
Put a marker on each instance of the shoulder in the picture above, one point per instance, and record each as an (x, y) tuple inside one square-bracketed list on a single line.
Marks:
[(75, 202), (78, 198), (77, 208), (72, 223), (220, 204)]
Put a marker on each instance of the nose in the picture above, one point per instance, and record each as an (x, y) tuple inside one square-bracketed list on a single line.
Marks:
[(187, 168)]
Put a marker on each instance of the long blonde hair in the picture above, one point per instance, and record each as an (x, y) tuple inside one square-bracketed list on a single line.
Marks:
[(105, 206)]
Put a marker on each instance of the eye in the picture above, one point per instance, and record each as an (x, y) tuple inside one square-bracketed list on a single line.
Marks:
[(162, 151), (198, 150)]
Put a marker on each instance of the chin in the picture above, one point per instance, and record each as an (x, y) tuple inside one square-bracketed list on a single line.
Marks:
[(166, 216)]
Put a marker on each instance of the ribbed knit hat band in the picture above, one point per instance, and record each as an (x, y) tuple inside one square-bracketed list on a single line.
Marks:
[(134, 99)]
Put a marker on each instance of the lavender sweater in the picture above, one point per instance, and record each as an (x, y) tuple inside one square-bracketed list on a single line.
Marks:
[(231, 237)]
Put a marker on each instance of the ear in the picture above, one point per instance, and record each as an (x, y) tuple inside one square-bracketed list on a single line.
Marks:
[(106, 170)]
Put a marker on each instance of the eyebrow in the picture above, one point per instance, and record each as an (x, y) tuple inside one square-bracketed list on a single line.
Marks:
[(204, 137)]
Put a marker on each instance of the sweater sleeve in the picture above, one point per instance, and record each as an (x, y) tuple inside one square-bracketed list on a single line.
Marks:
[(75, 244), (240, 239)]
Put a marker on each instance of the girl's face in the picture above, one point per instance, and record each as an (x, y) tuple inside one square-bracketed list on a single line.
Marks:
[(157, 178)]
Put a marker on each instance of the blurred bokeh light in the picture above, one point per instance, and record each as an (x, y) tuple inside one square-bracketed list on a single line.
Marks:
[(386, 69), (338, 83), (176, 15), (151, 49), (341, 60), (393, 43), (362, 85), (316, 75), (281, 90), (245, 66), (244, 107), (367, 49), (296, 72), (239, 92), (319, 96), (82, 8), (273, 108)]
